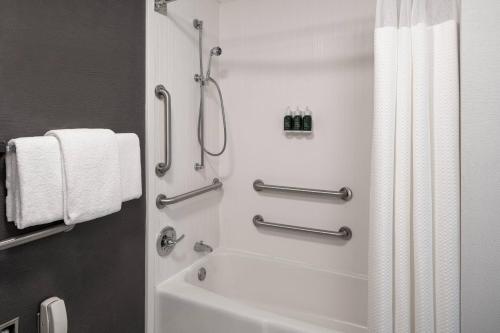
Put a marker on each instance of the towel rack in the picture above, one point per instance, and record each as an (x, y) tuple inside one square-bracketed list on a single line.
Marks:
[(162, 200), (343, 232), (5, 147), (33, 236), (344, 193), (162, 167)]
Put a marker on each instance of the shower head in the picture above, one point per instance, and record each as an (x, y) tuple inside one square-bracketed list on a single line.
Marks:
[(216, 51)]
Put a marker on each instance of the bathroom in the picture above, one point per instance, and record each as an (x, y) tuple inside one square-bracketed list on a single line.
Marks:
[(291, 166)]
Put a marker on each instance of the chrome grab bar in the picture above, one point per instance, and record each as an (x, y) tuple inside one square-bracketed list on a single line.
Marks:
[(343, 233), (162, 200), (162, 167), (344, 193), (33, 236)]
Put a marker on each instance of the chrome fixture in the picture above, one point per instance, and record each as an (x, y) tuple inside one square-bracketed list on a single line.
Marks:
[(202, 274), (11, 326), (161, 6), (166, 241), (162, 167), (204, 80), (6, 148), (33, 236), (216, 51), (344, 193), (202, 247), (343, 233), (162, 200)]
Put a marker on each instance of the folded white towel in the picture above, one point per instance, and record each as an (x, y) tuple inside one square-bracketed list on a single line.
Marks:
[(90, 173), (130, 165), (34, 181)]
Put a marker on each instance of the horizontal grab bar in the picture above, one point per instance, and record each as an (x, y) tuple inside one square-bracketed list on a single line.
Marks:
[(344, 193), (344, 232), (33, 236), (162, 200)]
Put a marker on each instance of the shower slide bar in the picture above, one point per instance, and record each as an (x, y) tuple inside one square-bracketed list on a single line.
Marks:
[(343, 233), (33, 236), (344, 193), (162, 200), (162, 167)]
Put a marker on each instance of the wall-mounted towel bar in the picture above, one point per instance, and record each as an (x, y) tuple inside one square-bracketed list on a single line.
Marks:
[(162, 200), (344, 193), (163, 167), (343, 233), (33, 236), (5, 148)]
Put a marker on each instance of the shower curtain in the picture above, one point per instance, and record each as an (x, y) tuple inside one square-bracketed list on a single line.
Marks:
[(414, 250)]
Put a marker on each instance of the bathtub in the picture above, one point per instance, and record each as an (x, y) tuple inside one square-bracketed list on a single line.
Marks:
[(249, 293)]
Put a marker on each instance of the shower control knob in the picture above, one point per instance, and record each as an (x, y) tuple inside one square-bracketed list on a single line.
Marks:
[(166, 241), (197, 78)]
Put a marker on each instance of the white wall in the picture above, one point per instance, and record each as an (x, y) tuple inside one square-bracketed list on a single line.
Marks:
[(299, 53), (480, 75), (172, 60)]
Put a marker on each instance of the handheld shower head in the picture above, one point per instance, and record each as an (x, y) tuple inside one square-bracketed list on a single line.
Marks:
[(215, 51)]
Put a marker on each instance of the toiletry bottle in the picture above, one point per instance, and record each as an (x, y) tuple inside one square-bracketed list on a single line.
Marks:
[(297, 120), (288, 120), (307, 121)]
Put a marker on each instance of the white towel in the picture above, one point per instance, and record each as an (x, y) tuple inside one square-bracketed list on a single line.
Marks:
[(90, 173), (34, 181), (130, 165)]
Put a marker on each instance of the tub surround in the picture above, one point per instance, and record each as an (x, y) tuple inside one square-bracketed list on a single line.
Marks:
[(321, 58)]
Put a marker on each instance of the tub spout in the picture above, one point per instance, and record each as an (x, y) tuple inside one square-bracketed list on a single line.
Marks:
[(202, 247)]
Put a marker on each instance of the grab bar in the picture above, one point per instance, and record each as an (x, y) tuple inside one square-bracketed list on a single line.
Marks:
[(343, 233), (162, 167), (344, 193), (162, 200), (33, 236)]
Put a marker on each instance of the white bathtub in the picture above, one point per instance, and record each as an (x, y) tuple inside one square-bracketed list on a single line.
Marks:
[(248, 293)]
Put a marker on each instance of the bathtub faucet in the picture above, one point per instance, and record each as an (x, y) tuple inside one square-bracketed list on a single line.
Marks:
[(202, 247)]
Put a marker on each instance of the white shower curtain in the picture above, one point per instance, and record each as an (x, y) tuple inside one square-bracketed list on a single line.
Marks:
[(414, 251)]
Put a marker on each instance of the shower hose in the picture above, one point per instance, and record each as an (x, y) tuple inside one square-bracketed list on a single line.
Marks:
[(223, 113)]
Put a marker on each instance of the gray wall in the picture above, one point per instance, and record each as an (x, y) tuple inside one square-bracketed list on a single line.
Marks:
[(480, 63), (65, 64)]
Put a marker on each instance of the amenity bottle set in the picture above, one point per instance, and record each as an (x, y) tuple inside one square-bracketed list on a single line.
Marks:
[(298, 120)]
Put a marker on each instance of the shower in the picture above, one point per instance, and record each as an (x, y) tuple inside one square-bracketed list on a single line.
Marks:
[(204, 79)]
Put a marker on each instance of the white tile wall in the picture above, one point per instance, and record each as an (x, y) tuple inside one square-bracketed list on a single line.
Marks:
[(276, 53), (172, 60), (298, 53)]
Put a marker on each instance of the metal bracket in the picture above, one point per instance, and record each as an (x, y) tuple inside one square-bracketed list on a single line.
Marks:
[(161, 6)]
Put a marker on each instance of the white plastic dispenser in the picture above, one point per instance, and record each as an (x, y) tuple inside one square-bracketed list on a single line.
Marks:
[(53, 318)]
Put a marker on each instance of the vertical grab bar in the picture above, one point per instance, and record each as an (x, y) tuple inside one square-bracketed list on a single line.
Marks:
[(162, 167)]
